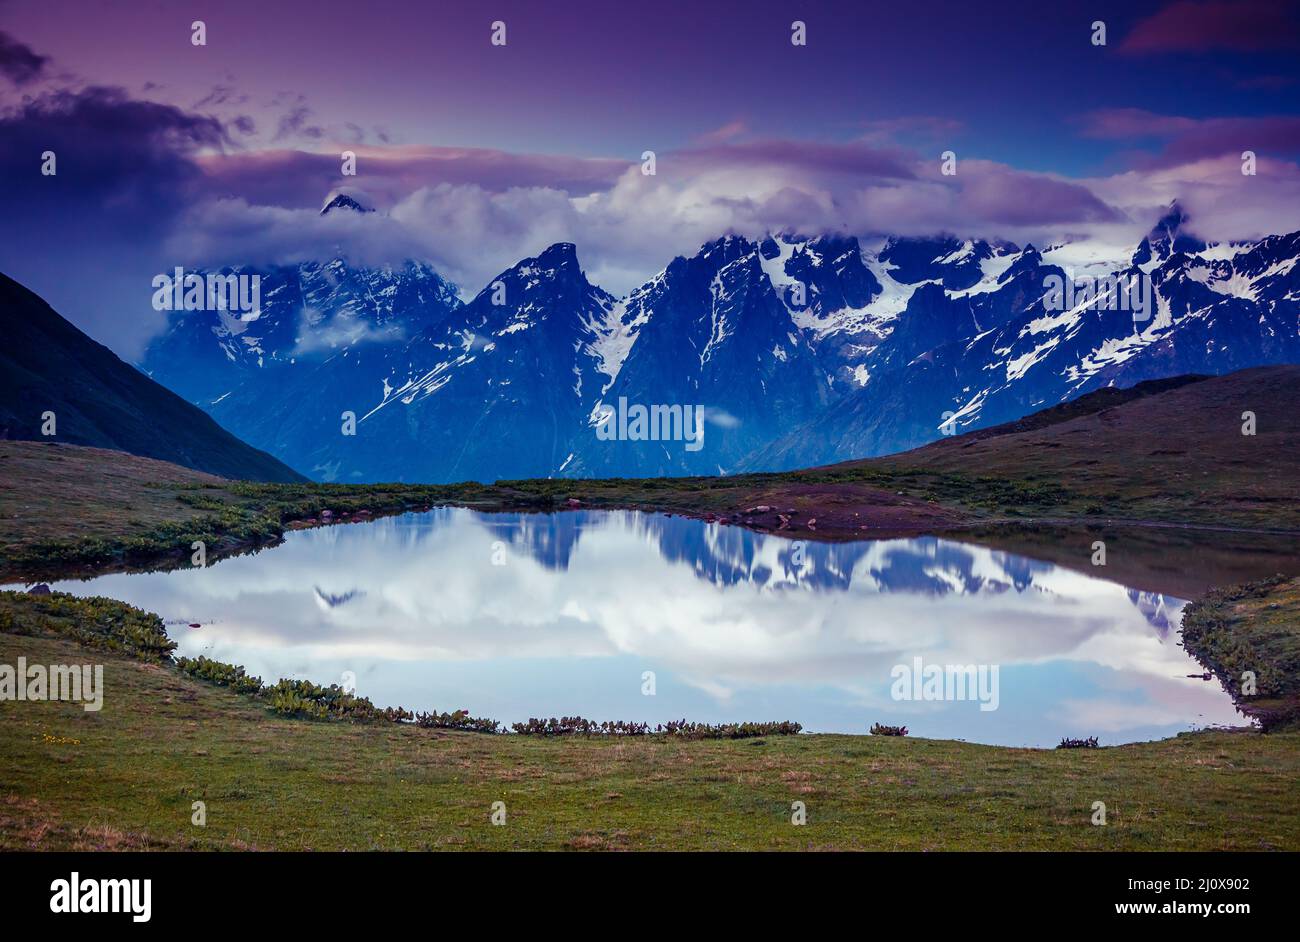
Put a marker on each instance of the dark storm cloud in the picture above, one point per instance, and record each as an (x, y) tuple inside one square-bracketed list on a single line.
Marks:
[(18, 62), (89, 238), (119, 155)]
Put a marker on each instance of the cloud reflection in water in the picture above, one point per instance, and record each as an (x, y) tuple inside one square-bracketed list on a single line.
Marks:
[(582, 603)]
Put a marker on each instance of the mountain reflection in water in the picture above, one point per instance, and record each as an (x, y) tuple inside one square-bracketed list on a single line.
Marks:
[(518, 615)]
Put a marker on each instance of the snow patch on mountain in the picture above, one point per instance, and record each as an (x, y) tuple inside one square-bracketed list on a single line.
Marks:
[(992, 269), (615, 333)]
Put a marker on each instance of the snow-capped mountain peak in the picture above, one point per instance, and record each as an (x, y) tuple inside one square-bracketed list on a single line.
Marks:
[(1169, 236), (343, 201), (801, 349)]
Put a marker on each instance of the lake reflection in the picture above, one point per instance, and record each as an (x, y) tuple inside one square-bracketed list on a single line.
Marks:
[(512, 616)]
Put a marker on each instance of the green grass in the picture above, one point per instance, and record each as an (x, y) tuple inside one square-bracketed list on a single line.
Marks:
[(1252, 629), (155, 514), (126, 777), (1169, 451)]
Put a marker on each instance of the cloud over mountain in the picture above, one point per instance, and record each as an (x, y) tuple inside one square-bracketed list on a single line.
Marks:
[(145, 184)]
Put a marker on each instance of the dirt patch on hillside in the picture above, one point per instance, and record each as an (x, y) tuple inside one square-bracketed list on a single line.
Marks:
[(837, 512)]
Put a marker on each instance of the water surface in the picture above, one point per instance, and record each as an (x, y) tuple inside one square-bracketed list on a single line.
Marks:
[(512, 616)]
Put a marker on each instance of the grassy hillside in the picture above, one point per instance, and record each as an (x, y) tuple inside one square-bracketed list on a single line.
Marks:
[(1171, 450), (65, 509), (100, 401), (48, 491)]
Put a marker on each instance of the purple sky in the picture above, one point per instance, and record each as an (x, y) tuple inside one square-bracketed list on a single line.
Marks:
[(479, 155)]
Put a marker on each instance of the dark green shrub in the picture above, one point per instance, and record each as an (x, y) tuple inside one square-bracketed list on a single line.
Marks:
[(220, 673), (1089, 743), (577, 725), (305, 699), (96, 622), (460, 719)]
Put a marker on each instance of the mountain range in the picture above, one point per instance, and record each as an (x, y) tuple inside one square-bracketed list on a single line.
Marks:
[(800, 350)]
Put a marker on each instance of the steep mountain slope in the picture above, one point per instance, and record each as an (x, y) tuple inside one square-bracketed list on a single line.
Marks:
[(499, 390), (308, 313), (479, 391), (47, 365), (714, 334)]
